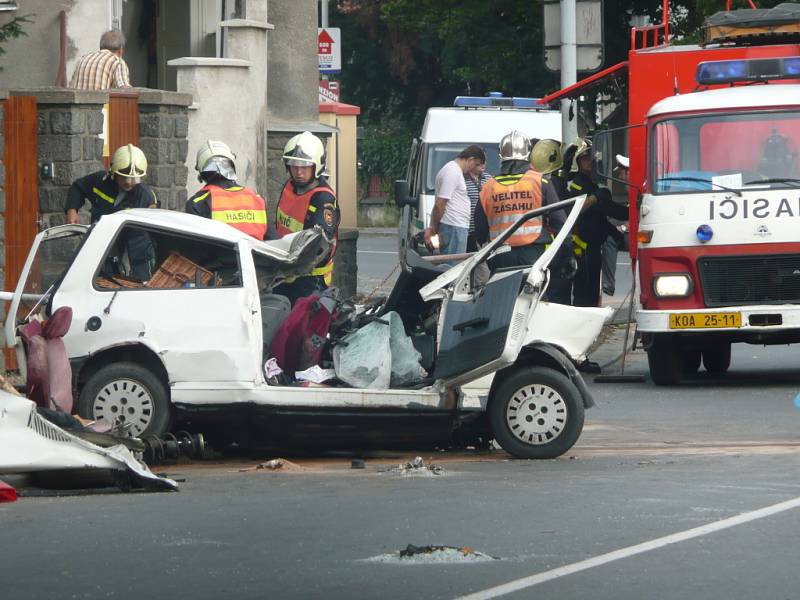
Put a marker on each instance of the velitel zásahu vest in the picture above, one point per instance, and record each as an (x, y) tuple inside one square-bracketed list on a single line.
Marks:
[(503, 204), (291, 218), (240, 208)]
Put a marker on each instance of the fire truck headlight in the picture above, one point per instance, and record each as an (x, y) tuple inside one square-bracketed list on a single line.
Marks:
[(674, 285)]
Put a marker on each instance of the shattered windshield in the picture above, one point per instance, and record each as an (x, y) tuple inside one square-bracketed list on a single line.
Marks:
[(722, 151), (53, 257)]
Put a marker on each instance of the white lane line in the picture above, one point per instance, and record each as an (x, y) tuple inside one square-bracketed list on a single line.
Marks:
[(596, 561), (375, 252)]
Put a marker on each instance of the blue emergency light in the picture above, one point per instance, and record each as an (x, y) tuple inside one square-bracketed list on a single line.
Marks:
[(497, 99), (705, 233), (758, 69)]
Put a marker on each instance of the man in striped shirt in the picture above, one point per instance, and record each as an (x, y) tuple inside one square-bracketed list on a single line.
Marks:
[(105, 68), (474, 180)]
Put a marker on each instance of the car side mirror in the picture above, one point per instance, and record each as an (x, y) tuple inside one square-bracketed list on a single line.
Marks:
[(401, 194)]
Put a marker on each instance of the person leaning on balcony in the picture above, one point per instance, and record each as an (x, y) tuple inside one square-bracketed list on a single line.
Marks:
[(110, 191), (104, 68), (222, 198)]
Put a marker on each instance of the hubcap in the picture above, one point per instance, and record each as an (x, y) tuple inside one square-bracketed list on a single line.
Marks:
[(536, 414), (124, 402)]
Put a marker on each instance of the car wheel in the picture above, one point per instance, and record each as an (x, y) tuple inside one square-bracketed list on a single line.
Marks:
[(717, 358), (127, 393), (665, 361), (691, 360), (536, 413)]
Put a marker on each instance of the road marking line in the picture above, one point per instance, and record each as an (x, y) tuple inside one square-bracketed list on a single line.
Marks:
[(375, 252), (596, 561)]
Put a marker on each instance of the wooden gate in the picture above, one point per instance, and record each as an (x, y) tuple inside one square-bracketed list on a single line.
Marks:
[(123, 121), (20, 157)]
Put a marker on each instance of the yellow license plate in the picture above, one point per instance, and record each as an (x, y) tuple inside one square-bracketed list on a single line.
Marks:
[(704, 320)]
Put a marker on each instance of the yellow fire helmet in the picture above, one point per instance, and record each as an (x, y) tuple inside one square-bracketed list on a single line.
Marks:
[(546, 156), (129, 161), (305, 150), (583, 147), (216, 157)]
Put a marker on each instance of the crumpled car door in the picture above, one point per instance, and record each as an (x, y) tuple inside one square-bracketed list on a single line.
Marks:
[(49, 258), (482, 326)]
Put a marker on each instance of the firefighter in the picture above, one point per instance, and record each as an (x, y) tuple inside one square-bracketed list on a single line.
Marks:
[(546, 158), (505, 197), (307, 201), (592, 227), (110, 191), (222, 198)]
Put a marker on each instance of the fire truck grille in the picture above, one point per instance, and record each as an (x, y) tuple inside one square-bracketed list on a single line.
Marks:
[(743, 280)]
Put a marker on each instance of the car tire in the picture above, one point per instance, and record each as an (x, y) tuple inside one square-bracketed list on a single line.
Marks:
[(717, 358), (126, 392), (665, 361), (536, 412)]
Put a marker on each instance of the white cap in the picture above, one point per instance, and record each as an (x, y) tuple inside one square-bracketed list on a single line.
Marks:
[(623, 161)]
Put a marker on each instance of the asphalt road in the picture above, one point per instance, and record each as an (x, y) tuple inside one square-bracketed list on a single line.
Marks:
[(664, 496)]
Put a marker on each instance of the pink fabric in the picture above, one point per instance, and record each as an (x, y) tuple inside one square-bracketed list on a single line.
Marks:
[(58, 324), (59, 376), (49, 374), (299, 341)]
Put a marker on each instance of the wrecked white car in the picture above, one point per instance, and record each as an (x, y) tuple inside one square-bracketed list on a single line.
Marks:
[(187, 349)]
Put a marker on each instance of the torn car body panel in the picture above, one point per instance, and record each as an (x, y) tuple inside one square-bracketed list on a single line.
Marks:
[(31, 444)]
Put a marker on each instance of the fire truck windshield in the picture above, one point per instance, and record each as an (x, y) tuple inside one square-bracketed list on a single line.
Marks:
[(725, 151)]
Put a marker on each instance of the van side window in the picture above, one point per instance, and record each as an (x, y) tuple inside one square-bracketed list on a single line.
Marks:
[(145, 258)]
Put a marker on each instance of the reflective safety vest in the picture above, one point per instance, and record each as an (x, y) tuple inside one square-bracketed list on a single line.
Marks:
[(239, 207), (291, 216), (503, 204)]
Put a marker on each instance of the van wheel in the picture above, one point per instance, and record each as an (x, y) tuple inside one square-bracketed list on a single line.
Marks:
[(127, 393), (536, 413), (665, 362), (717, 358)]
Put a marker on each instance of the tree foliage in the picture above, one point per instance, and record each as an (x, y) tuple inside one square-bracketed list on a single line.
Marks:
[(402, 56), (13, 29)]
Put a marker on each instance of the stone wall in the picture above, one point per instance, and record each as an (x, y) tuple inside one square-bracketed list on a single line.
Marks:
[(345, 266), (163, 133), (70, 123)]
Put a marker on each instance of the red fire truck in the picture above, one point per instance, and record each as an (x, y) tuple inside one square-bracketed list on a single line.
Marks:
[(713, 137)]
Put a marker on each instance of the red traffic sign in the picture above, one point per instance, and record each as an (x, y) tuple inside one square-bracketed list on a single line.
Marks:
[(329, 49)]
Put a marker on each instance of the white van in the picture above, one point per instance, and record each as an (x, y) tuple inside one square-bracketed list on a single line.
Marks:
[(482, 121)]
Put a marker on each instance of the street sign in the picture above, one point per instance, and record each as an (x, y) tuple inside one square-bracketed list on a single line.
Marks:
[(328, 90), (329, 49), (588, 33)]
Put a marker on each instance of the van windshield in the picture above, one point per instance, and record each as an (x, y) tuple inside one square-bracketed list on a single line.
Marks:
[(438, 155), (720, 151)]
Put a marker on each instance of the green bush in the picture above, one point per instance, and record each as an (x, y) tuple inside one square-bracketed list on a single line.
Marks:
[(383, 152)]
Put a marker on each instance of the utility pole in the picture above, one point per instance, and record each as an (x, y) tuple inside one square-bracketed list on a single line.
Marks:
[(323, 13), (569, 66)]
